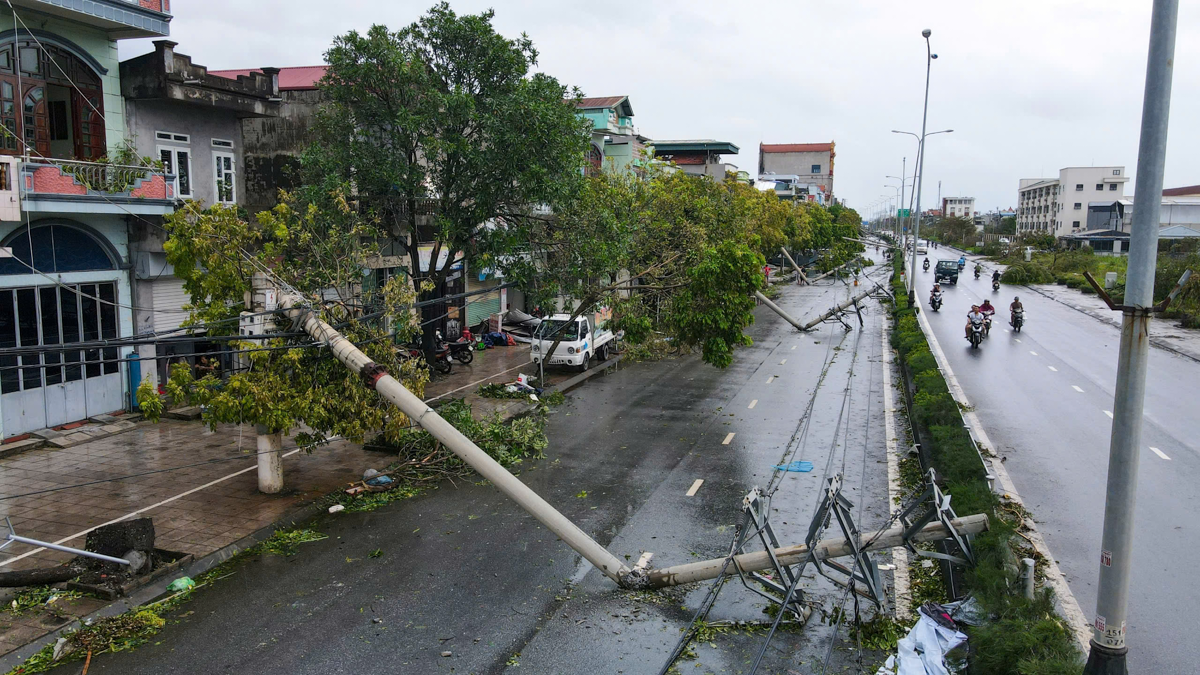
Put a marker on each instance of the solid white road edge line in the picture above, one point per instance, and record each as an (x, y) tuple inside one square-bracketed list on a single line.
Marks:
[(1068, 606), (1160, 453), (728, 438), (695, 486), (901, 591), (140, 511)]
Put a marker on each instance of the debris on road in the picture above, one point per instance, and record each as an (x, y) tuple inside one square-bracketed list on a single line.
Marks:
[(923, 651)]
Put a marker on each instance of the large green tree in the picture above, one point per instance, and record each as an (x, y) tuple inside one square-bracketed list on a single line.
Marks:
[(673, 255), (442, 130)]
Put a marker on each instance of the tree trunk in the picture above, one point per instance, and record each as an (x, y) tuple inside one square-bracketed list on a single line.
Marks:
[(40, 576)]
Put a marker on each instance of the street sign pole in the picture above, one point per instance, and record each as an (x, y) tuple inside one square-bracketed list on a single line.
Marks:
[(1108, 648)]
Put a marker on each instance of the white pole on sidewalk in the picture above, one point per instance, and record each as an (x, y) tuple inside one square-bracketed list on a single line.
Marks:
[(1108, 648), (420, 413), (270, 443)]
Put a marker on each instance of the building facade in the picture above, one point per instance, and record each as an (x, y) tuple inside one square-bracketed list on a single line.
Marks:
[(1058, 206), (702, 157), (64, 216), (191, 121), (616, 145), (811, 163), (959, 207)]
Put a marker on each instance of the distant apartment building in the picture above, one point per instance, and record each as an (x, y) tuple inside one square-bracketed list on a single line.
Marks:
[(959, 207), (810, 163), (1059, 206)]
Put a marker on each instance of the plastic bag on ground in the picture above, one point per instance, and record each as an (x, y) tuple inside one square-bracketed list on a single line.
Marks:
[(923, 650), (181, 584)]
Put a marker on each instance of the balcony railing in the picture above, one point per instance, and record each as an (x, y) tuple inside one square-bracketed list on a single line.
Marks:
[(58, 184)]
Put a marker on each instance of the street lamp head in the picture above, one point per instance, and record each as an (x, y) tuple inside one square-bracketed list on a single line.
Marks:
[(926, 33)]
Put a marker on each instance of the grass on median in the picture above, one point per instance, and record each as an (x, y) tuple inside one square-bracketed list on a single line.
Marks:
[(1024, 637)]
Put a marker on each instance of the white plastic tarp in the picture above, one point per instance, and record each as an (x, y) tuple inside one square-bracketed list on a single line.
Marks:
[(923, 650)]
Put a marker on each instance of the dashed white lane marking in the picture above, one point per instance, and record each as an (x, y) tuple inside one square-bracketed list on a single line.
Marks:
[(793, 347), (1052, 368), (1109, 413), (752, 404), (783, 362), (728, 439), (1017, 339), (1033, 352), (770, 379), (1076, 388), (1160, 453), (695, 486)]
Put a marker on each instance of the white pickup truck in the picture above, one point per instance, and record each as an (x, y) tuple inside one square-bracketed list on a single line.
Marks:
[(583, 339)]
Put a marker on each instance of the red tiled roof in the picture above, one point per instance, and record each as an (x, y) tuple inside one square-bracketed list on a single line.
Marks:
[(688, 159), (1182, 191), (290, 79), (795, 147)]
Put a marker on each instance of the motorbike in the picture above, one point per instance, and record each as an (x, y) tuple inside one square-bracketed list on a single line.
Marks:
[(935, 301), (926, 265), (462, 350), (978, 271), (1018, 320), (442, 361), (976, 335), (995, 284)]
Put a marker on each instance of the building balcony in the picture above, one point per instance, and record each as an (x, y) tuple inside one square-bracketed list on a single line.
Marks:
[(118, 18), (70, 186)]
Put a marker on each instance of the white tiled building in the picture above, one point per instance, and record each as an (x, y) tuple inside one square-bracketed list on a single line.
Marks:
[(1059, 205), (958, 207)]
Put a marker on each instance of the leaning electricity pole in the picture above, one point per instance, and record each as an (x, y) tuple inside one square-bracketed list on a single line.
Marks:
[(1108, 648)]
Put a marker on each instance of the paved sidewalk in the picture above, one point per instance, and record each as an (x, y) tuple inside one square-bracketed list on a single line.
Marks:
[(198, 509)]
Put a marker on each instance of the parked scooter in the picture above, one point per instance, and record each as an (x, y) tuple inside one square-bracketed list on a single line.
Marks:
[(442, 361), (462, 350)]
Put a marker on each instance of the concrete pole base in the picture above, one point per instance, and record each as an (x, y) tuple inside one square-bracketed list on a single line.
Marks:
[(270, 462), (1106, 661)]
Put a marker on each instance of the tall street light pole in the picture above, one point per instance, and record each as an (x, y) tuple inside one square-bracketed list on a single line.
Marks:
[(1108, 648), (912, 275), (920, 151)]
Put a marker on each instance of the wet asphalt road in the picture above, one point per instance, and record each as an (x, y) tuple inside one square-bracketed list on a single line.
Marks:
[(465, 571), (1044, 396)]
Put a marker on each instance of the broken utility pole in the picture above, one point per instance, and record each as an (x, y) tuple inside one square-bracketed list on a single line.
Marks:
[(420, 413), (811, 324), (263, 297), (826, 548), (803, 279)]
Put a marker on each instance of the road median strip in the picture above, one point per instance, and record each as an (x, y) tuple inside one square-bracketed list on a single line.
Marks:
[(1026, 635)]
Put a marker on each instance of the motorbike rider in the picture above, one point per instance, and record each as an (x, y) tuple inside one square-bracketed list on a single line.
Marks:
[(973, 316), (1015, 307), (926, 264), (996, 277), (987, 310), (935, 293)]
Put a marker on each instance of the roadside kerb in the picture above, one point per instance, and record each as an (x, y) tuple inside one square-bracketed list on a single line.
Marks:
[(1068, 606)]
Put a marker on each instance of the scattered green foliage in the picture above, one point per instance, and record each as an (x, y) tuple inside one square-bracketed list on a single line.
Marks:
[(287, 542), (497, 390), (37, 596)]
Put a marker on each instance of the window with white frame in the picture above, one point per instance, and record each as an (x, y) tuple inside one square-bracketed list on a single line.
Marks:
[(175, 152), (221, 143), (225, 178)]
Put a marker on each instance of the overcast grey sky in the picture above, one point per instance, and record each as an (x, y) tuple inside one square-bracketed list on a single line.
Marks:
[(1028, 86)]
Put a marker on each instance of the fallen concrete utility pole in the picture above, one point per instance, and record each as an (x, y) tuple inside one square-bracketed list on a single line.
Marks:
[(822, 276), (799, 271), (808, 326), (775, 308), (839, 308), (793, 555), (872, 243), (419, 412)]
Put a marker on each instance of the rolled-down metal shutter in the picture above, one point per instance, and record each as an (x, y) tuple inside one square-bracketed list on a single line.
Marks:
[(169, 300), (481, 307)]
